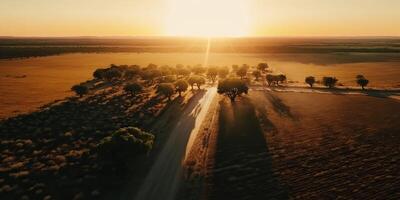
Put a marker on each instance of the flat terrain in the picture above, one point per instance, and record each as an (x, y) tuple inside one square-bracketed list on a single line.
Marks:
[(305, 146), (26, 84)]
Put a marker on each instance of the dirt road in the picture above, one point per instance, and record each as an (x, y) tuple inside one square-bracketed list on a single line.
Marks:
[(164, 177)]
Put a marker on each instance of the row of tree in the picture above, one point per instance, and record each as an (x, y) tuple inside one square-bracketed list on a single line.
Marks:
[(331, 81)]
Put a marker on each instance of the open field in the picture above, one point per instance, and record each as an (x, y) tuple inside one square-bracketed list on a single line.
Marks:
[(305, 146), (26, 84)]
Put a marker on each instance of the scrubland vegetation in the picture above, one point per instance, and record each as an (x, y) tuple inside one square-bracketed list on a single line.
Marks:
[(89, 142)]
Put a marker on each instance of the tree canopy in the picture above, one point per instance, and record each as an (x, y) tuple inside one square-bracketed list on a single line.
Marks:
[(232, 88)]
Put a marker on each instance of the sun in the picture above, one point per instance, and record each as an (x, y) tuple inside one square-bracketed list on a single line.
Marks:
[(208, 18)]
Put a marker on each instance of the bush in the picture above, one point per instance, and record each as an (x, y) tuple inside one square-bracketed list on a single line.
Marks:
[(329, 81), (133, 88), (310, 80), (232, 88), (362, 81), (80, 90), (166, 89), (123, 144)]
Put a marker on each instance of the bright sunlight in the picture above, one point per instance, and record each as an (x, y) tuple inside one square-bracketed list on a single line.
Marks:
[(207, 18)]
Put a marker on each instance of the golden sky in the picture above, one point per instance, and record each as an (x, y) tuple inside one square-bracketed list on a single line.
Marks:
[(200, 17)]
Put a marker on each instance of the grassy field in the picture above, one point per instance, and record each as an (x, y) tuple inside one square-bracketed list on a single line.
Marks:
[(29, 83)]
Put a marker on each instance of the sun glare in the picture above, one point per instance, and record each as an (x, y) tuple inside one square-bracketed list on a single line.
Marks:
[(207, 18)]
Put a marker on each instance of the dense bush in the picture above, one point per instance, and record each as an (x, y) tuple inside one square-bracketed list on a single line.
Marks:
[(124, 144), (232, 87)]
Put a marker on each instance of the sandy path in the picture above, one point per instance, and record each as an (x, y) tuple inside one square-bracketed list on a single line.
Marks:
[(163, 179)]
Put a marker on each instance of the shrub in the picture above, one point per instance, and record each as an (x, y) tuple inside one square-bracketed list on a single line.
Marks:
[(166, 89), (362, 81), (133, 88), (80, 90), (310, 80), (232, 88), (181, 86), (329, 81), (124, 144)]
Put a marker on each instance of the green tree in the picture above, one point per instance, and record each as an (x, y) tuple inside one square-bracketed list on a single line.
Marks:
[(181, 86), (310, 80), (166, 89), (232, 88), (80, 89)]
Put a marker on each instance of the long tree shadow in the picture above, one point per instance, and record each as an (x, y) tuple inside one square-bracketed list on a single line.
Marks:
[(242, 166), (278, 106)]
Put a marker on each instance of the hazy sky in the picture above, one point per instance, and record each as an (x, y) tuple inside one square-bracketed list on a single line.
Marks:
[(191, 17)]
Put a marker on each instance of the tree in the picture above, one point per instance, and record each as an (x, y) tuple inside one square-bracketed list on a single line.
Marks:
[(80, 89), (168, 79), (151, 74), (124, 144), (183, 71), (133, 88), (99, 73), (181, 86), (242, 72), (223, 72), (166, 89), (166, 70), (262, 67), (235, 68), (257, 74), (329, 81), (112, 74), (212, 73), (232, 87), (200, 81), (275, 79), (198, 69), (192, 81), (151, 66), (362, 81), (310, 80)]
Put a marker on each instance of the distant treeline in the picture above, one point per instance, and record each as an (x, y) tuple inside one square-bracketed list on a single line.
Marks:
[(32, 47)]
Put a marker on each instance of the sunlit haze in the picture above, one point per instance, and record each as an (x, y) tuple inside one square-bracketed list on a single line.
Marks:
[(199, 17)]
